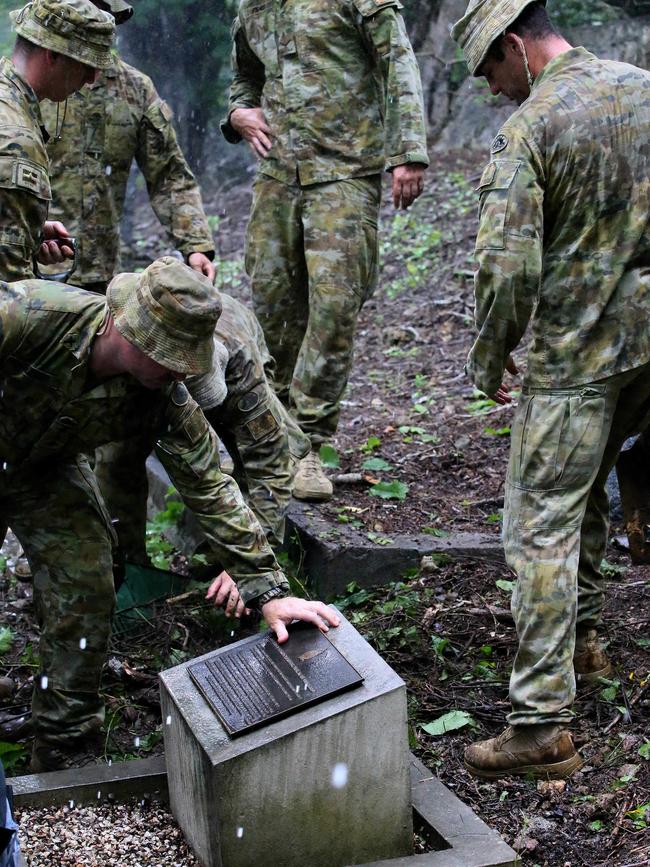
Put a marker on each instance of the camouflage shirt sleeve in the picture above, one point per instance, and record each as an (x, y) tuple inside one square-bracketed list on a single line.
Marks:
[(188, 451), (385, 32), (13, 318), (247, 82), (174, 194), (508, 254)]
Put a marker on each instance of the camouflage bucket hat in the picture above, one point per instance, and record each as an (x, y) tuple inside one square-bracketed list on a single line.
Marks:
[(483, 22), (169, 312), (75, 28)]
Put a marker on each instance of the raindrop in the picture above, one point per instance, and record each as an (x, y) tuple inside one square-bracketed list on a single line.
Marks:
[(99, 794), (44, 682), (137, 741), (232, 634), (4, 465), (297, 689), (71, 804), (108, 170), (110, 762), (168, 721), (82, 643), (340, 775), (240, 832)]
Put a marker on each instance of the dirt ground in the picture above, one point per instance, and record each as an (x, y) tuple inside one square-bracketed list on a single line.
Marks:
[(410, 420)]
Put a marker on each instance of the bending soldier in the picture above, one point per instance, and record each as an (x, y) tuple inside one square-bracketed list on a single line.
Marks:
[(79, 370)]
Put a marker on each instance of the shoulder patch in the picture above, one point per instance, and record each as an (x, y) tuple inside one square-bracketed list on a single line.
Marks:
[(500, 143), (180, 395)]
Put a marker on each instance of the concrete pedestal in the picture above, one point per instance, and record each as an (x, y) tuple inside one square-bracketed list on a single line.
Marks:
[(326, 787)]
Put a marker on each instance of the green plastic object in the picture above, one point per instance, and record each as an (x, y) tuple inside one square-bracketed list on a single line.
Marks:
[(142, 587)]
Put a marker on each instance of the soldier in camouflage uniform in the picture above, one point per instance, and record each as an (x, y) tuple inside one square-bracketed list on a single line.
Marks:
[(260, 435), (564, 241), (328, 95), (60, 45), (78, 370), (117, 119)]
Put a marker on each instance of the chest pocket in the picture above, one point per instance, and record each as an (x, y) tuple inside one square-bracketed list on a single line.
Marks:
[(257, 26), (495, 191), (120, 133)]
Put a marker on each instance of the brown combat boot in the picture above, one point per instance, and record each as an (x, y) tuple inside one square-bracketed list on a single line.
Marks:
[(541, 751), (48, 756), (590, 661), (310, 482)]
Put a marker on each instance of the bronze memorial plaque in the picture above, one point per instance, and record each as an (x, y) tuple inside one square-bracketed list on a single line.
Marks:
[(257, 680)]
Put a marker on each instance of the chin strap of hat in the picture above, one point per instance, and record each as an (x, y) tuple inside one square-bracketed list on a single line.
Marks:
[(524, 54), (59, 129)]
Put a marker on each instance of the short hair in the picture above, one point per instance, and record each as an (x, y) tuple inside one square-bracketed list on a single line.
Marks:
[(24, 46), (533, 23)]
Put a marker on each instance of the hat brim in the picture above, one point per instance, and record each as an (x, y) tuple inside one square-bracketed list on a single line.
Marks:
[(131, 320)]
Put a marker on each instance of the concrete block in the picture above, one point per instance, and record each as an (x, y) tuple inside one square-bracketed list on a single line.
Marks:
[(332, 557), (326, 787)]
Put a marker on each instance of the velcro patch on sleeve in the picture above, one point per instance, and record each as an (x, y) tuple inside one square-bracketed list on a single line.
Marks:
[(262, 425), (21, 173)]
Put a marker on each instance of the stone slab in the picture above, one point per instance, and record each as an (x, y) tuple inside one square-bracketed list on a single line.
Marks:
[(119, 781), (333, 779), (458, 837), (332, 557)]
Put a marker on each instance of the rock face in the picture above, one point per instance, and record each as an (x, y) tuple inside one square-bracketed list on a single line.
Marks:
[(461, 112)]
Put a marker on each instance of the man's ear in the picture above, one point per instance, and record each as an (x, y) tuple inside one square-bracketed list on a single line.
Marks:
[(513, 44)]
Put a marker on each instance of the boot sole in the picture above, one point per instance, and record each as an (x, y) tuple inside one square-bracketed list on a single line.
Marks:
[(592, 678), (311, 497), (555, 771)]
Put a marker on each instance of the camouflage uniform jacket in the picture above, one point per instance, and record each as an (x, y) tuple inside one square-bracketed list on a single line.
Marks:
[(338, 82), (24, 185), (50, 410), (107, 125), (564, 234)]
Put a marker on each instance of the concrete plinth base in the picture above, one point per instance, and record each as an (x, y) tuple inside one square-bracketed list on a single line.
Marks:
[(326, 787), (332, 557)]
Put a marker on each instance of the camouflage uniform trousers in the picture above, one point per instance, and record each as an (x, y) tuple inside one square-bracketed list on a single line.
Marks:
[(60, 520), (312, 256), (565, 442)]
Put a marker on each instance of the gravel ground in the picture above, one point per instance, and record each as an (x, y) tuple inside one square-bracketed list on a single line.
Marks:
[(122, 835)]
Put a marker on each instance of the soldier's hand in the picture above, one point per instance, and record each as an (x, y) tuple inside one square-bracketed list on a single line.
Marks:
[(279, 613), (200, 262), (502, 394), (225, 594), (54, 249), (408, 183), (251, 125)]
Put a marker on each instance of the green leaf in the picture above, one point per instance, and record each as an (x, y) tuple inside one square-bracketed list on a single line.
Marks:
[(376, 464), (6, 639), (435, 531), (410, 429), (3, 563), (11, 754), (612, 569), (644, 750), (449, 722), (597, 825), (371, 444), (390, 490), (429, 438), (421, 409), (497, 431), (506, 586), (379, 540), (329, 457)]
